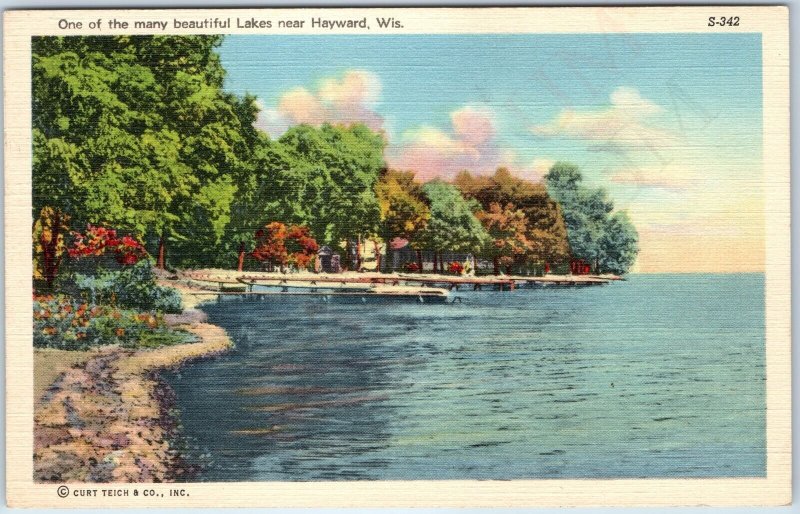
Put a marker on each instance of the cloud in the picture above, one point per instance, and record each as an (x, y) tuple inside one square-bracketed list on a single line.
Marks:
[(670, 179), (349, 98), (468, 144), (624, 125), (473, 125), (541, 166)]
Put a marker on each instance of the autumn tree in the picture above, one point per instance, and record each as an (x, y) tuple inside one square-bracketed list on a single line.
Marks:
[(301, 247), (527, 223), (277, 244), (49, 245), (403, 206), (270, 247), (507, 227)]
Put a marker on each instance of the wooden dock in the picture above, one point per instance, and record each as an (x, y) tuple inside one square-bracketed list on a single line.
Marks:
[(365, 282)]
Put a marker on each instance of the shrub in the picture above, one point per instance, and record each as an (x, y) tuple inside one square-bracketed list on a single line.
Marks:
[(456, 267), (70, 324), (411, 267), (133, 287)]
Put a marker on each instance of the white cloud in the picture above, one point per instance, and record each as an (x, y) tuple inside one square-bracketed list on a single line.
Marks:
[(470, 144), (349, 98), (626, 124)]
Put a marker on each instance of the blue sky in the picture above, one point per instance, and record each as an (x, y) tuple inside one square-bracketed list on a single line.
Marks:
[(670, 124)]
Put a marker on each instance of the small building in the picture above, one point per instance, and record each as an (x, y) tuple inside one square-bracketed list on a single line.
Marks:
[(329, 261)]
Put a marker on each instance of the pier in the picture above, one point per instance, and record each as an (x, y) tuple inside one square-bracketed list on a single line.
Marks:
[(384, 284)]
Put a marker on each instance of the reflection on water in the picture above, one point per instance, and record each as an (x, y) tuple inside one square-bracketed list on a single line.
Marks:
[(657, 376)]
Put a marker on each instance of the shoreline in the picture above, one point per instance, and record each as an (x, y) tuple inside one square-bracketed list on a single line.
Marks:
[(108, 416)]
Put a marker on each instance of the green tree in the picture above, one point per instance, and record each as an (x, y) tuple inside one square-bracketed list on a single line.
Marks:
[(136, 132), (619, 244), (452, 225), (608, 241), (328, 182)]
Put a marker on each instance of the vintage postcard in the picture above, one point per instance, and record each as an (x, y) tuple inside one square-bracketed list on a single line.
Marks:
[(397, 257)]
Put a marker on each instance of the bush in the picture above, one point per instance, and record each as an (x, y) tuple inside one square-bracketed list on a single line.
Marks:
[(411, 267), (69, 324), (133, 287), (456, 267)]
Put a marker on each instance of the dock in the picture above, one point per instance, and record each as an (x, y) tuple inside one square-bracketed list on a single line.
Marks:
[(384, 283)]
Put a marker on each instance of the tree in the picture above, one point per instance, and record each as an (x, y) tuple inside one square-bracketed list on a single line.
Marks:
[(136, 132), (507, 226), (278, 244), (403, 207), (526, 223), (48, 244), (330, 180), (619, 244), (452, 225), (270, 247), (302, 248), (608, 241)]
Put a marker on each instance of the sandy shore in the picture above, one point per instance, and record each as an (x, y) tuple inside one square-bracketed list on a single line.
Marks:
[(105, 415)]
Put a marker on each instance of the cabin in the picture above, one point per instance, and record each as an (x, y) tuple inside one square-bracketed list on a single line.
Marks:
[(329, 262)]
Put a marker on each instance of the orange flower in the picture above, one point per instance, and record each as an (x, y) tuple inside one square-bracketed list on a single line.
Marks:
[(120, 332)]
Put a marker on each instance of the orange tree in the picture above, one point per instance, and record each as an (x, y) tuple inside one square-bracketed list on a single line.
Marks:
[(277, 244)]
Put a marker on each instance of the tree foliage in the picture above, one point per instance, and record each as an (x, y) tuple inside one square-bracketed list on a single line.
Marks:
[(277, 244), (597, 234), (49, 245), (525, 223), (403, 207), (452, 225), (137, 133)]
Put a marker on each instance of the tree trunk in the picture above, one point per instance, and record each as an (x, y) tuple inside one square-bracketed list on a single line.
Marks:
[(160, 262), (358, 253), (419, 260), (496, 263), (241, 257), (378, 256), (50, 250), (441, 262)]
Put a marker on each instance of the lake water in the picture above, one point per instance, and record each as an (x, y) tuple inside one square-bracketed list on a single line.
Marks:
[(658, 376)]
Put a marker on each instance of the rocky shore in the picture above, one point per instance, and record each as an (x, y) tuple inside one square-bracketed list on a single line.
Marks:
[(109, 417)]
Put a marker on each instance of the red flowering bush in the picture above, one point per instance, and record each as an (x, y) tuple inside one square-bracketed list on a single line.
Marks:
[(270, 244), (302, 247), (411, 267), (278, 244), (98, 240), (456, 267)]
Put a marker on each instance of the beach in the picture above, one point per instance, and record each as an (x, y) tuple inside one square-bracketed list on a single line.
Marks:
[(105, 415)]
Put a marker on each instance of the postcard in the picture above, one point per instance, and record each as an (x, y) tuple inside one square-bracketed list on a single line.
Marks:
[(397, 257)]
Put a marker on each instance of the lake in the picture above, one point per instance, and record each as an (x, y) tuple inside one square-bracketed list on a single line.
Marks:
[(657, 376)]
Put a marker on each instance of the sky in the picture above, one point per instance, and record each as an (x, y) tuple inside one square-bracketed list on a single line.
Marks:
[(669, 124)]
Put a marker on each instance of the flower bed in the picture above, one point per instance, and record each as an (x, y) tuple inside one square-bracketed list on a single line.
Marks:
[(70, 324)]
